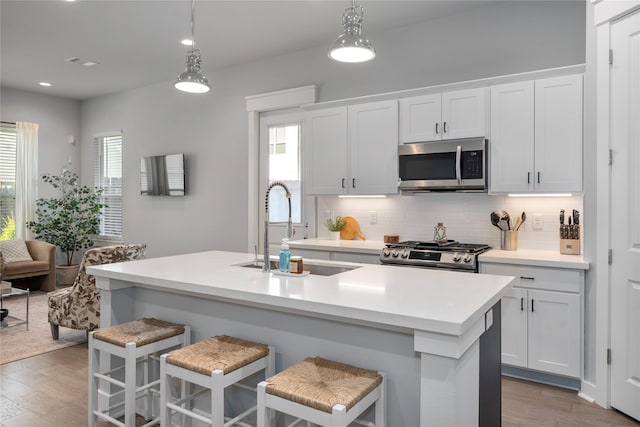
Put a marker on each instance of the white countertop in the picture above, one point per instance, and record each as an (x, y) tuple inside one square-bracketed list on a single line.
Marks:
[(539, 258), (399, 297), (353, 246)]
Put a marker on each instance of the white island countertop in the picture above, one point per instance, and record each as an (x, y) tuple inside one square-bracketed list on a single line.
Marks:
[(387, 296)]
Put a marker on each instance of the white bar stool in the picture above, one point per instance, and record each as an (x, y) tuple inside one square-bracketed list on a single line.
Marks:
[(137, 342), (213, 364), (323, 392)]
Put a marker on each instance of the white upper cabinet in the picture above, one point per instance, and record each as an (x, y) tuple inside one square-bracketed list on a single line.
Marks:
[(450, 115), (326, 166), (536, 136), (512, 137), (558, 129), (353, 150)]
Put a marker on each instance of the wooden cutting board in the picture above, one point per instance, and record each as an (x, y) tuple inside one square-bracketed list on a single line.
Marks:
[(351, 229)]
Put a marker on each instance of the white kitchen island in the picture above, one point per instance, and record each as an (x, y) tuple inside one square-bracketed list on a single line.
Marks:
[(422, 327)]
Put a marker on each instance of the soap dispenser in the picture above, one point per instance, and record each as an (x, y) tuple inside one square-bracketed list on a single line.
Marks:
[(285, 256)]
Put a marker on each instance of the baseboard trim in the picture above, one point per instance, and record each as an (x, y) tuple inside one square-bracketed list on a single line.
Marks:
[(542, 377), (588, 391)]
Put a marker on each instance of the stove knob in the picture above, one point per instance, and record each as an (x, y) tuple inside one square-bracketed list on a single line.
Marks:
[(386, 252), (467, 258), (394, 253), (456, 257), (404, 253)]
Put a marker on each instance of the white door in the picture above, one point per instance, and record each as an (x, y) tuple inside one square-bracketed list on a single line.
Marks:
[(511, 144), (282, 146), (421, 118), (625, 216), (514, 327), (326, 160), (558, 134), (373, 148), (463, 114)]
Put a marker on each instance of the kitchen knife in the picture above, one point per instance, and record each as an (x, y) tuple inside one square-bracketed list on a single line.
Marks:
[(562, 217), (576, 217)]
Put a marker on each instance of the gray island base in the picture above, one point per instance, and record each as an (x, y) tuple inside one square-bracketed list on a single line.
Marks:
[(435, 334)]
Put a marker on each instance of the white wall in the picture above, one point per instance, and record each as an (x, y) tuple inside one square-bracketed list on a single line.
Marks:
[(211, 130), (58, 118)]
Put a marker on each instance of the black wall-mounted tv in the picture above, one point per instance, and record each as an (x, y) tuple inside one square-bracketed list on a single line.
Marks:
[(162, 175)]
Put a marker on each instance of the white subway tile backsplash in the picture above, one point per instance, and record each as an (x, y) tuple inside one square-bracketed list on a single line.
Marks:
[(465, 215)]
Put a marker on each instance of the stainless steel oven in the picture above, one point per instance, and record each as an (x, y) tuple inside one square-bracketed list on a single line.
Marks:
[(454, 165), (449, 255)]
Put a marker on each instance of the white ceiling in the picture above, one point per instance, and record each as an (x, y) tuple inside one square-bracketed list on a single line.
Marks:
[(136, 42)]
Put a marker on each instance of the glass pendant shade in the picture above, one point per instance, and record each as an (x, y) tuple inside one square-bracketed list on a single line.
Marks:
[(192, 80), (350, 46)]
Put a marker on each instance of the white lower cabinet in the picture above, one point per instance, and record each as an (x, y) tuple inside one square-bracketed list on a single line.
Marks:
[(542, 323)]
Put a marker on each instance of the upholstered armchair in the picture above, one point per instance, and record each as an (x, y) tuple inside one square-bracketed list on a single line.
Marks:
[(78, 306)]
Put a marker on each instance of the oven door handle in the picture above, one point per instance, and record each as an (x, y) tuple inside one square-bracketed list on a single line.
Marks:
[(458, 164)]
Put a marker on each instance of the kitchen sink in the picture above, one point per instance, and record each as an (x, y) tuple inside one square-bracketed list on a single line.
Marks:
[(318, 270)]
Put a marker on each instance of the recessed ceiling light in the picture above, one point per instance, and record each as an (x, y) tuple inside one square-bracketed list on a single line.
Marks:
[(187, 42), (45, 84)]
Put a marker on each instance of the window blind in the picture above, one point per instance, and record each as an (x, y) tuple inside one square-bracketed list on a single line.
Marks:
[(8, 139), (107, 174)]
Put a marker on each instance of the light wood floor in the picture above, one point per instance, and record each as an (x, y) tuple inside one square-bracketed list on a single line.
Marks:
[(51, 390)]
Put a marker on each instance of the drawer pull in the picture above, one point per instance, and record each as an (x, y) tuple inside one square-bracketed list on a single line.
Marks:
[(527, 278), (521, 303)]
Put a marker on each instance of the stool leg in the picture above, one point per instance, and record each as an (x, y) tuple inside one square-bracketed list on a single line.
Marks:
[(130, 385), (94, 383), (217, 399), (339, 416), (165, 390), (262, 411), (148, 401), (271, 363), (380, 404)]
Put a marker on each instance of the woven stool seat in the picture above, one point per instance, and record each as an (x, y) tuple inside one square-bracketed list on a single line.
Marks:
[(320, 383), (141, 332), (221, 352)]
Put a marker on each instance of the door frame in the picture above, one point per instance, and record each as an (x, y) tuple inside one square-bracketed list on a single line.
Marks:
[(256, 104), (605, 13)]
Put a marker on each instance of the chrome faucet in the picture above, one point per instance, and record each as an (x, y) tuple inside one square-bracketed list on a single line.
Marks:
[(267, 264)]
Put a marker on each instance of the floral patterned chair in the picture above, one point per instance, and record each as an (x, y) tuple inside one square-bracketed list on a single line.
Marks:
[(78, 306)]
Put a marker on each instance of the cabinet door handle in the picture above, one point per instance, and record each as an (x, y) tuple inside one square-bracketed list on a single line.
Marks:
[(444, 127), (342, 182), (353, 182), (532, 310), (527, 278), (436, 128), (521, 303), (538, 177), (528, 177)]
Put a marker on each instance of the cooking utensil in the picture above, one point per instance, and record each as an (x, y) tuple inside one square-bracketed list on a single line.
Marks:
[(495, 219), (576, 217), (562, 217), (351, 229), (519, 221), (507, 219), (504, 224)]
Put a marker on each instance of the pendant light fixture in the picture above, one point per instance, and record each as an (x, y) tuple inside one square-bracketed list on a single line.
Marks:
[(192, 80), (351, 46)]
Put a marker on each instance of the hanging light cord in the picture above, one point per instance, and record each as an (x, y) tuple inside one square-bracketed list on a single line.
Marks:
[(193, 37)]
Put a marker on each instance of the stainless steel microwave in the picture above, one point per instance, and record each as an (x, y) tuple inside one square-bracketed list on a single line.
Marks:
[(454, 165)]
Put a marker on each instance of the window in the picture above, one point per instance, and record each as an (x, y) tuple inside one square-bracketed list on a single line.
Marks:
[(107, 174), (7, 181), (285, 166)]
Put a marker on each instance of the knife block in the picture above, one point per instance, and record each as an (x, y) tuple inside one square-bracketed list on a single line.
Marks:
[(570, 239)]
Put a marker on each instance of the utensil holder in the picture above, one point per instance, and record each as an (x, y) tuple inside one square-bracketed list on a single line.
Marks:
[(570, 239), (509, 240)]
